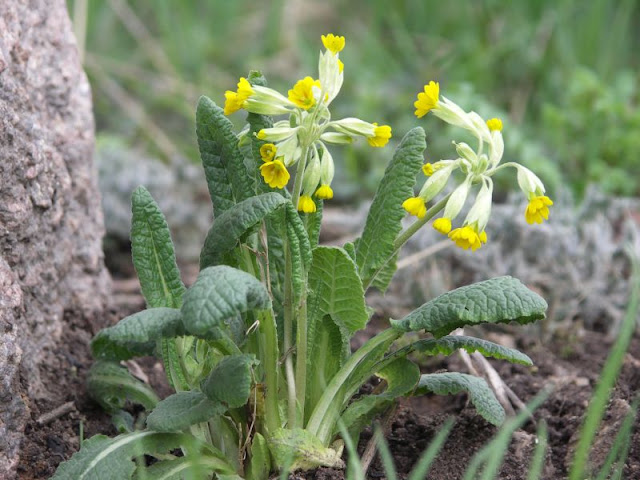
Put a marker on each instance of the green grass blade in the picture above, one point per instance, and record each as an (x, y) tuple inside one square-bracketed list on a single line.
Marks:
[(421, 468), (537, 462), (598, 404), (385, 455)]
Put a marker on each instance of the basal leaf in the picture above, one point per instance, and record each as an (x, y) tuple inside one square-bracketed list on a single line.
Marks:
[(299, 449), (181, 410), (112, 385), (335, 290), (137, 334), (229, 227), (218, 297), (499, 300), (228, 178), (107, 458), (313, 222), (260, 463), (153, 254), (384, 221), (451, 343), (401, 376), (326, 354), (230, 381), (481, 395)]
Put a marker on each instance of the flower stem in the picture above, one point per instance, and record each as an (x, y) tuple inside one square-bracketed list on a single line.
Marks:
[(402, 238), (418, 224), (288, 304)]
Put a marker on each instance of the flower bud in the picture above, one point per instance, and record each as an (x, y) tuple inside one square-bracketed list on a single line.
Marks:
[(435, 183)]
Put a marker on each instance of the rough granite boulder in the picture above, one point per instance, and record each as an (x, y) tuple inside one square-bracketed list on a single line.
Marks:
[(51, 262)]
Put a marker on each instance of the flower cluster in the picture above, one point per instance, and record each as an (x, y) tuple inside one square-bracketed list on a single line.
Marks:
[(302, 139), (477, 166)]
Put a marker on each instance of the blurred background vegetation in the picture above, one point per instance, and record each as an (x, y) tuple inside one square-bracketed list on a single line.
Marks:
[(563, 75)]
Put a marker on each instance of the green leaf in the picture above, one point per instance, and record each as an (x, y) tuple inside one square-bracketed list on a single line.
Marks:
[(181, 410), (110, 458), (153, 254), (229, 227), (401, 376), (230, 381), (481, 395), (191, 467), (112, 385), (499, 300), (450, 344), (300, 250), (218, 297), (299, 449), (326, 354), (228, 178), (384, 221), (313, 222), (260, 463), (335, 290), (136, 335)]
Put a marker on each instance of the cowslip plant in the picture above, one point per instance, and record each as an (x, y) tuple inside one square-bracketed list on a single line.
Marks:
[(258, 348)]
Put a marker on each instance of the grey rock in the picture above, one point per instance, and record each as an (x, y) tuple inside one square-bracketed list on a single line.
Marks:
[(51, 264)]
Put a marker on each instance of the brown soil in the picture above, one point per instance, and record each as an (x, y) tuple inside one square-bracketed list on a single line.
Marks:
[(571, 366)]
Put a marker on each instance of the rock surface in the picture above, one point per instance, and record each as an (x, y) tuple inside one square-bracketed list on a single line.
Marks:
[(51, 262)]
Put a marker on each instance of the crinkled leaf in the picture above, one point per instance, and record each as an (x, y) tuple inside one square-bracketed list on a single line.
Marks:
[(260, 463), (228, 178), (401, 376), (181, 410), (229, 227), (313, 222), (299, 449), (300, 249), (451, 343), (155, 261), (229, 383), (335, 290), (112, 385), (481, 395), (384, 221), (218, 297), (499, 300), (384, 275), (107, 458), (136, 335), (153, 254)]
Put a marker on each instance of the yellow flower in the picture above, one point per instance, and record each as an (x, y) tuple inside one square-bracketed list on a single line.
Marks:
[(231, 104), (415, 206), (427, 169), (324, 192), (442, 225), (302, 93), (306, 204), (340, 66), (538, 209), (381, 136), (483, 236), (333, 42), (428, 99), (494, 124), (267, 152), (467, 238), (275, 174), (244, 89)]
